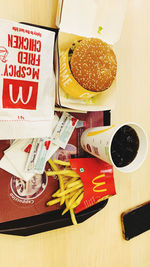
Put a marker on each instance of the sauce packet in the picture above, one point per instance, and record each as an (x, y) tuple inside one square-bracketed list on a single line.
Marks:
[(27, 80), (64, 130), (41, 150)]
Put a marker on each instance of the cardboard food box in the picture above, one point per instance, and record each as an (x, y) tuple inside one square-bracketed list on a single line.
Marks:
[(23, 205), (85, 18)]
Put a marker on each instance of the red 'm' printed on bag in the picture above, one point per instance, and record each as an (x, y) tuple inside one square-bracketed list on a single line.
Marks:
[(19, 94)]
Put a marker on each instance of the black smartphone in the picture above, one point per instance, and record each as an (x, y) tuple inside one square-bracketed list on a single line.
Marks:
[(136, 221)]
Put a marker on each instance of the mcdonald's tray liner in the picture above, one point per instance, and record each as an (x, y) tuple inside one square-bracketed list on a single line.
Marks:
[(23, 204)]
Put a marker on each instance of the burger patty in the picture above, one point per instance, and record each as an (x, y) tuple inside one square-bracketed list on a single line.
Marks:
[(71, 50), (93, 64)]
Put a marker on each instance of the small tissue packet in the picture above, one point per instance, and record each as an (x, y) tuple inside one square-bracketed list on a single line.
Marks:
[(17, 158)]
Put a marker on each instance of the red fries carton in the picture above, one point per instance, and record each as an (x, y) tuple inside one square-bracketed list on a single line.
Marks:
[(97, 178)]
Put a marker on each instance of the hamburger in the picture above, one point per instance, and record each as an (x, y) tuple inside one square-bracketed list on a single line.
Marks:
[(93, 64)]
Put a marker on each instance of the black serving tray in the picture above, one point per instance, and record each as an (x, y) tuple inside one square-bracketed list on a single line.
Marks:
[(47, 221)]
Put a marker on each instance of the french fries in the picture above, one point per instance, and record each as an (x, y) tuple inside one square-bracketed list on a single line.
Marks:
[(71, 187)]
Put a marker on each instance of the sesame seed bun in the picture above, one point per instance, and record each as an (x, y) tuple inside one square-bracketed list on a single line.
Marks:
[(93, 64)]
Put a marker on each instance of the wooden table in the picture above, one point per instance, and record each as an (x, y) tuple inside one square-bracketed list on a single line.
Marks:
[(98, 241)]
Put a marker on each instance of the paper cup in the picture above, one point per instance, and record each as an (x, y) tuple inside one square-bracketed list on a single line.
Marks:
[(98, 141)]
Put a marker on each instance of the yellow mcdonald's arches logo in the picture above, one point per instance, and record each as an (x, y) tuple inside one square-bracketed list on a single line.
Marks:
[(98, 184), (100, 131)]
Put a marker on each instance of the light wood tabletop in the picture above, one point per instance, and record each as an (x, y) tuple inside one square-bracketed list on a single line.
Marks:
[(97, 241)]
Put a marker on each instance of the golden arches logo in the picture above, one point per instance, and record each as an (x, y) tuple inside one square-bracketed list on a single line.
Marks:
[(98, 184), (100, 131)]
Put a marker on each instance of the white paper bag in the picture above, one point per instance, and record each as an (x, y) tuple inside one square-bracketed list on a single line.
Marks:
[(27, 81)]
